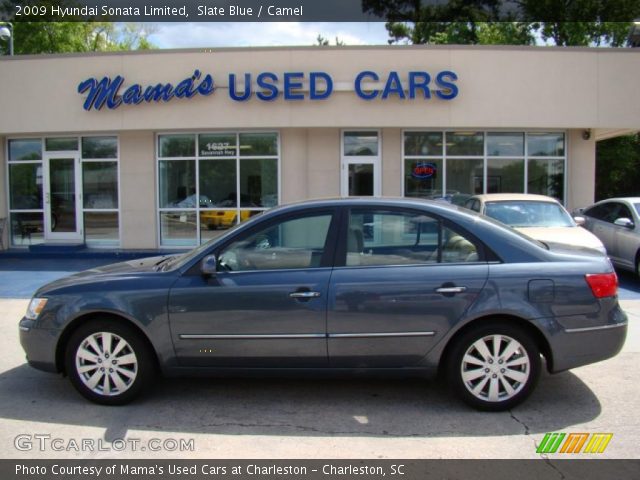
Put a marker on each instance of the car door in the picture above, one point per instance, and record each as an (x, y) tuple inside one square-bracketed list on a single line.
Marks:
[(402, 279), (626, 239), (266, 304), (597, 221)]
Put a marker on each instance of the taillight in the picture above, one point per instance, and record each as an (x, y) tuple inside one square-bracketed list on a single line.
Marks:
[(603, 284)]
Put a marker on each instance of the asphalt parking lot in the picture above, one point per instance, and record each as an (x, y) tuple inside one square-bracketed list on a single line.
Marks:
[(42, 416)]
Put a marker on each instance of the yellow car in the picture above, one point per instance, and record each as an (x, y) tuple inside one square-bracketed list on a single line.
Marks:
[(214, 219)]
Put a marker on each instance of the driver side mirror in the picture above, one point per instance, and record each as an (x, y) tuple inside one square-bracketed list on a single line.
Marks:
[(209, 265), (624, 222), (579, 220)]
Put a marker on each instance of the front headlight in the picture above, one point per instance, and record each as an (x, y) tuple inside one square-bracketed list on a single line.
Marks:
[(36, 305)]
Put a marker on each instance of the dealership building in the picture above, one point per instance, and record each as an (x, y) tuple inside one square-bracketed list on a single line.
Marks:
[(167, 149)]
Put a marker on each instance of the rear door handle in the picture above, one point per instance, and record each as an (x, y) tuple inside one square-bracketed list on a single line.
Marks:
[(451, 289), (304, 294)]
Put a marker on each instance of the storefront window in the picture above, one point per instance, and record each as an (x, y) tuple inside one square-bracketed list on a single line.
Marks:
[(483, 162), (217, 145), (262, 144), (25, 149), (465, 177), (35, 175), (360, 144), (501, 144), (545, 144), (465, 143), (546, 177), (218, 182), (178, 228), (258, 183), (199, 198), (505, 175), (423, 177), (59, 144), (99, 147), (423, 143), (101, 227), (100, 185), (177, 146), (27, 228), (25, 186)]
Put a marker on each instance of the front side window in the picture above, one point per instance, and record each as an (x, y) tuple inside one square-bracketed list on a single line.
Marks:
[(297, 243), (376, 238)]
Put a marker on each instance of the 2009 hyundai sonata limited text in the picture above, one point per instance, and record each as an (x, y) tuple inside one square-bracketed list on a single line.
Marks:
[(351, 285)]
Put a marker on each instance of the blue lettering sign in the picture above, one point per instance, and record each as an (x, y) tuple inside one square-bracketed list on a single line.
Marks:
[(444, 80), (268, 87), (106, 91)]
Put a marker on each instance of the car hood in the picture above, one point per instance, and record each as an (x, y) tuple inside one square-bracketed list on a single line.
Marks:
[(572, 236), (105, 273)]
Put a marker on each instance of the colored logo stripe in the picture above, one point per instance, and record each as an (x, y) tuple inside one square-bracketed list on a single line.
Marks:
[(574, 443), (550, 443), (598, 442)]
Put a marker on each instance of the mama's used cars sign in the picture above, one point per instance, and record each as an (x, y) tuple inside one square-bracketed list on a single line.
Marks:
[(268, 86)]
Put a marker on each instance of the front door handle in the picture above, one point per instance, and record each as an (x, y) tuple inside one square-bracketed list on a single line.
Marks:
[(306, 294), (451, 289)]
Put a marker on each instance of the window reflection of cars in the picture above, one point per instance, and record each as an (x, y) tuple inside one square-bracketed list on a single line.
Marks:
[(214, 219), (192, 202)]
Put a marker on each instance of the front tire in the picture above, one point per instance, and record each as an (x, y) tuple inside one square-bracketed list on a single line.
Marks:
[(494, 367), (109, 363)]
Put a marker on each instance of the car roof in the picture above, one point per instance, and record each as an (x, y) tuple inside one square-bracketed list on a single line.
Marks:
[(504, 197), (622, 199)]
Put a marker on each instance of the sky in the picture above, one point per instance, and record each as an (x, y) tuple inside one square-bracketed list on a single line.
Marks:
[(244, 34)]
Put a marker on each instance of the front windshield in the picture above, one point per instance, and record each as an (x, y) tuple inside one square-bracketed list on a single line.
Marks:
[(637, 205), (527, 213)]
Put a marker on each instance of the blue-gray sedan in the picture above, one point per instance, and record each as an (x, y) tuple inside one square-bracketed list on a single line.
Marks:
[(351, 285)]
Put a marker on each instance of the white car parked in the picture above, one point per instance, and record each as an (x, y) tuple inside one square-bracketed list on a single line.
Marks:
[(537, 216)]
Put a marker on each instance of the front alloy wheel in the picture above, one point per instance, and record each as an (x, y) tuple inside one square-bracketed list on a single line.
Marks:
[(108, 362), (494, 367)]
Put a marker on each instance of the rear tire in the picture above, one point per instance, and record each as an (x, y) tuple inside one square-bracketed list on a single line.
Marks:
[(109, 363), (493, 367)]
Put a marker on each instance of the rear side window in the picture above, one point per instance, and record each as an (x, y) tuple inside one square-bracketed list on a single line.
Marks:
[(378, 237)]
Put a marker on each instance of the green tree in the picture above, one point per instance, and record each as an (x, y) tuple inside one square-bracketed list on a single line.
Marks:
[(321, 41), (468, 22), (74, 36), (618, 167)]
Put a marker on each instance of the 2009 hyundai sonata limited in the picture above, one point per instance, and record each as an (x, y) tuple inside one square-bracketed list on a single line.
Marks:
[(351, 285)]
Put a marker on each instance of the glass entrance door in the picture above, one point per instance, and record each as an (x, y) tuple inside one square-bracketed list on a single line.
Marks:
[(62, 207), (360, 164)]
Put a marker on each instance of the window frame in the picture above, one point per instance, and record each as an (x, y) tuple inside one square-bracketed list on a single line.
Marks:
[(329, 249), (237, 157), (485, 254), (117, 242), (485, 157)]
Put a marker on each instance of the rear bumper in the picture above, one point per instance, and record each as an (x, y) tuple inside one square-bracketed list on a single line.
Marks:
[(575, 347), (39, 345)]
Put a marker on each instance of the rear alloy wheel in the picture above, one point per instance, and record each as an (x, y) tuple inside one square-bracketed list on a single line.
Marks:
[(109, 363), (494, 367)]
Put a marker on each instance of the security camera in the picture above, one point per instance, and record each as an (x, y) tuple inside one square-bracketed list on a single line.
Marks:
[(586, 134)]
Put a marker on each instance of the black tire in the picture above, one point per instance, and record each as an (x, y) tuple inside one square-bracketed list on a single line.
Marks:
[(143, 369), (493, 371)]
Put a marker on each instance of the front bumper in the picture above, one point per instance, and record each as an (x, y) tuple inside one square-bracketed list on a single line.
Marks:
[(40, 345)]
